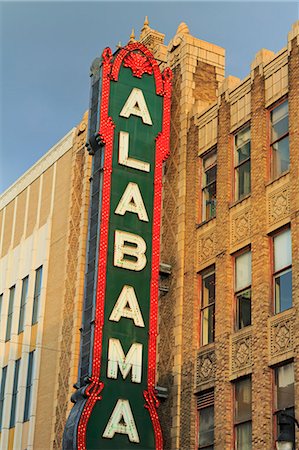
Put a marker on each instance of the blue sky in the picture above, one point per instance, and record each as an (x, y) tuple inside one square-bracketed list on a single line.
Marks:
[(47, 48)]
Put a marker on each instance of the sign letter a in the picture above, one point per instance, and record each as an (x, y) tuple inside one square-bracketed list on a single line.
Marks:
[(127, 306), (136, 105), (122, 421), (132, 201)]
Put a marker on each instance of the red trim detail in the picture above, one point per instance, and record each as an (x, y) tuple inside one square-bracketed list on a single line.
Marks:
[(140, 49), (162, 152), (106, 133), (138, 63), (163, 88)]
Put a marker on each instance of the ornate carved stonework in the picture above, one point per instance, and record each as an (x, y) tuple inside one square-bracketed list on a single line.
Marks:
[(76, 234), (205, 370), (240, 226), (281, 334), (241, 352), (278, 205), (206, 246)]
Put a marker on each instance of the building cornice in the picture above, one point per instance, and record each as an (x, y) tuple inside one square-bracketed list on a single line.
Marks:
[(38, 168)]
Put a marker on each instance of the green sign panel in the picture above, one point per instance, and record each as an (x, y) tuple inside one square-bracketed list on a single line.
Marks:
[(120, 409)]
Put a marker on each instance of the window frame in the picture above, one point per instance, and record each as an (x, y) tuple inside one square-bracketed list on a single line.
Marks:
[(14, 395), (2, 392), (276, 274), (236, 197), (37, 295), (238, 292), (205, 400), (28, 387), (203, 209), (23, 302), (237, 423), (203, 274), (280, 102), (9, 321), (275, 410)]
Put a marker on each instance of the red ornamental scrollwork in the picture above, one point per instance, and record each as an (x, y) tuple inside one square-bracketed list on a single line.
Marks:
[(138, 63), (137, 57), (143, 50), (152, 404)]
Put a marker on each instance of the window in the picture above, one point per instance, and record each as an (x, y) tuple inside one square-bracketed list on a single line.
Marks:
[(284, 396), (280, 153), (37, 289), (28, 387), (2, 393), (23, 304), (282, 277), (14, 395), (207, 307), (209, 171), (242, 416), (10, 312), (205, 405), (242, 163), (243, 289)]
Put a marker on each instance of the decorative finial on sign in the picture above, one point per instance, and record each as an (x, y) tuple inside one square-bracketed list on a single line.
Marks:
[(132, 37), (118, 45), (146, 23)]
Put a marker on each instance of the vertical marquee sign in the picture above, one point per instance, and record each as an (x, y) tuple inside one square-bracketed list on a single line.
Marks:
[(119, 410)]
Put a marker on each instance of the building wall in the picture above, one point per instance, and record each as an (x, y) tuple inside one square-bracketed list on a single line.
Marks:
[(206, 112), (44, 223)]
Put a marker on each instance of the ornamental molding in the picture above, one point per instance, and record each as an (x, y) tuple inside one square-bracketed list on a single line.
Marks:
[(241, 352), (241, 90), (207, 116), (56, 152), (206, 246), (205, 368), (282, 334), (240, 226), (280, 60), (278, 204)]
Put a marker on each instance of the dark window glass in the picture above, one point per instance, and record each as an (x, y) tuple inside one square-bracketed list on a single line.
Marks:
[(243, 290), (243, 436), (208, 307), (10, 313), (14, 395), (2, 393), (242, 164), (206, 427), (285, 395), (209, 165), (284, 380), (280, 139), (242, 417), (37, 292), (23, 304), (28, 387), (282, 276), (205, 404), (243, 309)]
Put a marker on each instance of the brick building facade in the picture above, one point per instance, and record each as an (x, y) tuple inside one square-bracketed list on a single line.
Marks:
[(228, 344)]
